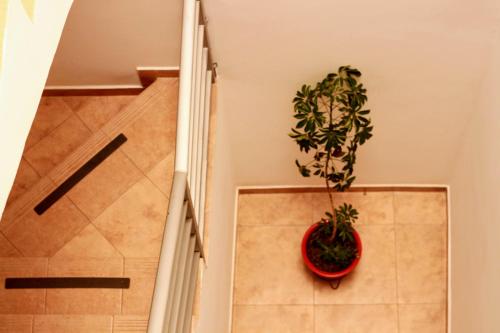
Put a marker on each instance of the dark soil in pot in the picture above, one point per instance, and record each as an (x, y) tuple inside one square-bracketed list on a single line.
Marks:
[(324, 261)]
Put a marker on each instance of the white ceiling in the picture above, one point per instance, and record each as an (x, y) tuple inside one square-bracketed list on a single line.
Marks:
[(105, 40), (423, 63)]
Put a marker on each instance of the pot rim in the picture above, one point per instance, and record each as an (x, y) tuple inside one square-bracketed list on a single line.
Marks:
[(324, 274)]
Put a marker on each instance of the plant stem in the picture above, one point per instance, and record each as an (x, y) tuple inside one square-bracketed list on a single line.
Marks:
[(328, 188)]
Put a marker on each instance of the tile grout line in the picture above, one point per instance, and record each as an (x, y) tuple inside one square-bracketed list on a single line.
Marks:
[(51, 131), (92, 223), (396, 258), (110, 243), (105, 209), (79, 231), (167, 196), (158, 188), (32, 167), (85, 124), (12, 244), (46, 136)]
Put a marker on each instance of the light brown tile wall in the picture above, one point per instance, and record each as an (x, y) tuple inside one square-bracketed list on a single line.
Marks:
[(399, 285)]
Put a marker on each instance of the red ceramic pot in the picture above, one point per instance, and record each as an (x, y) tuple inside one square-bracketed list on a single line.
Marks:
[(319, 272)]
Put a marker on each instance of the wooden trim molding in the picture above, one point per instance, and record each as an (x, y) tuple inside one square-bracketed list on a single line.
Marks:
[(148, 75), (91, 91)]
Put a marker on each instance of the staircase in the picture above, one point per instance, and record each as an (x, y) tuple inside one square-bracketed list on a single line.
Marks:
[(110, 224)]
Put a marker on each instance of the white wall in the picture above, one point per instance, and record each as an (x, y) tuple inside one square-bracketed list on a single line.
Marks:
[(215, 302), (28, 52), (104, 41), (475, 214), (423, 63)]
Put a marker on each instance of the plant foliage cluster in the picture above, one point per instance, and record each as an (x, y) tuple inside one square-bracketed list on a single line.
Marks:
[(342, 251), (331, 125)]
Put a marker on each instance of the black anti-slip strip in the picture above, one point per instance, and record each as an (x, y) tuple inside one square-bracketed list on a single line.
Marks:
[(67, 282), (68, 184)]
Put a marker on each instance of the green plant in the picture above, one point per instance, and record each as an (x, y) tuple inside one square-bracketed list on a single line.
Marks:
[(332, 124)]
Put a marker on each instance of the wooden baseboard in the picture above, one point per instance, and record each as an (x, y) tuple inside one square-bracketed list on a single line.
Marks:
[(147, 75), (92, 91)]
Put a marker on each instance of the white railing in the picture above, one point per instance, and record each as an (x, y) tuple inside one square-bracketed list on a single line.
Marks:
[(182, 248)]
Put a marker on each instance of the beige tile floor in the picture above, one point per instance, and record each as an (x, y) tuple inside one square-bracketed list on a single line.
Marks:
[(399, 285), (110, 224)]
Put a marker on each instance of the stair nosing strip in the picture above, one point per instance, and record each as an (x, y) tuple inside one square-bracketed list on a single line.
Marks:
[(80, 174)]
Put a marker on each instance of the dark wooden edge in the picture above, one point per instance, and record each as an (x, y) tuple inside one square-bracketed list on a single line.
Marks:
[(148, 76), (93, 92), (67, 282), (79, 174)]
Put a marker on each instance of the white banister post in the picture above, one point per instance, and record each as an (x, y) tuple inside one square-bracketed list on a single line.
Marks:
[(193, 82), (186, 72)]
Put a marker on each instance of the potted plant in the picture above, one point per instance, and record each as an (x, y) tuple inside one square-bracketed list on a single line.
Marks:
[(331, 125)]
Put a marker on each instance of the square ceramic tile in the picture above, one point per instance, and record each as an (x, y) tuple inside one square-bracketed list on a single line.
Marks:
[(273, 319), (374, 207), (16, 323), (425, 207), (162, 174), (22, 301), (26, 177), (269, 267), (142, 272), (105, 184), (152, 137), (95, 111), (134, 223), (356, 318), (84, 301), (58, 145), (73, 324), (274, 209), (421, 256), (127, 324), (52, 112), (43, 235), (89, 243), (417, 318), (374, 279)]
